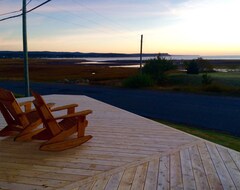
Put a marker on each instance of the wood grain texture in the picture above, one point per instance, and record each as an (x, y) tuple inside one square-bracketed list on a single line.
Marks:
[(127, 151)]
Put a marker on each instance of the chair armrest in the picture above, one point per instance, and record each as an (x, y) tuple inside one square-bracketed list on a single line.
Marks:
[(27, 105), (28, 108), (70, 108), (50, 105), (64, 107), (77, 114)]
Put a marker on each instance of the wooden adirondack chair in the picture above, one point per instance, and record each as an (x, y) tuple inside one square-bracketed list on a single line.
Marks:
[(18, 120), (58, 134)]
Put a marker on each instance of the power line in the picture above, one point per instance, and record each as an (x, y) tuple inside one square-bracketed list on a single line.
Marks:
[(26, 11), (8, 13), (70, 22), (60, 20), (45, 2), (11, 17), (28, 2), (103, 16), (89, 20), (103, 29)]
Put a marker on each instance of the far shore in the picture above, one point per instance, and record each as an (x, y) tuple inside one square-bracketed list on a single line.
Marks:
[(89, 62)]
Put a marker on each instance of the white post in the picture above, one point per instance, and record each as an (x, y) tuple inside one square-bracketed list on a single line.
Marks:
[(141, 46), (25, 49)]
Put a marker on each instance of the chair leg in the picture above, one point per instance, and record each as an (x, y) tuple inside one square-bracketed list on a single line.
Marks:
[(10, 131), (81, 127), (63, 145), (27, 136), (45, 134), (28, 132), (61, 136)]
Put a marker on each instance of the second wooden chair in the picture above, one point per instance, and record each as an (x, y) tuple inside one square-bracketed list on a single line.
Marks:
[(58, 134)]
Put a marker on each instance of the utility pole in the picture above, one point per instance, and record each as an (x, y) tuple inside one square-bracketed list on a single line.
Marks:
[(25, 49), (141, 46)]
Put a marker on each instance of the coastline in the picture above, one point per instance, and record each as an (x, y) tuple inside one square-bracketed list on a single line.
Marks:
[(126, 62)]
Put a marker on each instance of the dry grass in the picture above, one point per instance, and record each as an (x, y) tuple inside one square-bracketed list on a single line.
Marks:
[(50, 70)]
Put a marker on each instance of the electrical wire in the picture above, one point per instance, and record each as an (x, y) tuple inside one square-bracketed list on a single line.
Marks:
[(90, 20), (28, 2), (103, 16), (10, 17), (70, 22), (8, 13), (45, 2)]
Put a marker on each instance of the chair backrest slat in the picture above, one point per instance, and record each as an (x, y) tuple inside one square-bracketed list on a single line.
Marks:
[(11, 110), (46, 115)]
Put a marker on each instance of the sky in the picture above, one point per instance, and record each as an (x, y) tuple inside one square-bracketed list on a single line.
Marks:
[(179, 27)]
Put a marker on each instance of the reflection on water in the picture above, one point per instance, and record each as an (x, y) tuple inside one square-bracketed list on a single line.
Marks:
[(174, 57), (134, 61), (127, 66)]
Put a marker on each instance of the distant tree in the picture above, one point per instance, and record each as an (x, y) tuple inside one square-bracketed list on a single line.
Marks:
[(199, 65), (192, 67), (204, 65), (157, 68)]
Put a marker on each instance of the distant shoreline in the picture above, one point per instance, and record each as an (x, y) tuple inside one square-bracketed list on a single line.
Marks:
[(124, 61), (90, 62), (110, 56)]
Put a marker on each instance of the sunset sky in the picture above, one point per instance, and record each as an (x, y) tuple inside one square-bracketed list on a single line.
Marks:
[(196, 27)]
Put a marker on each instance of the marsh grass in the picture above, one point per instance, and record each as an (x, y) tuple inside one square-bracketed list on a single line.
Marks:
[(138, 81), (66, 71), (221, 83), (48, 70)]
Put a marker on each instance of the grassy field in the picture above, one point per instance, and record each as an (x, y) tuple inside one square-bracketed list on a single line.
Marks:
[(210, 135), (49, 70), (228, 78), (222, 83)]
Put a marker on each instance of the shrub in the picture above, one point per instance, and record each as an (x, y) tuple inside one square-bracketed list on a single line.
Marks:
[(204, 65), (199, 65), (206, 79), (157, 68), (138, 81), (192, 67)]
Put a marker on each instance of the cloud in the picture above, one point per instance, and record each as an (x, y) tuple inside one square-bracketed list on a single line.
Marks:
[(99, 25)]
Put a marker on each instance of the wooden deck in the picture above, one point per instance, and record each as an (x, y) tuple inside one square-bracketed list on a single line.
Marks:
[(127, 152)]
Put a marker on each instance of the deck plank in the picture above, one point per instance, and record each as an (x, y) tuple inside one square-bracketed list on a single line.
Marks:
[(198, 169), (140, 175), (164, 173), (101, 183), (19, 186), (175, 172), (221, 168), (187, 170), (114, 181), (212, 176), (152, 175), (127, 179), (230, 165)]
